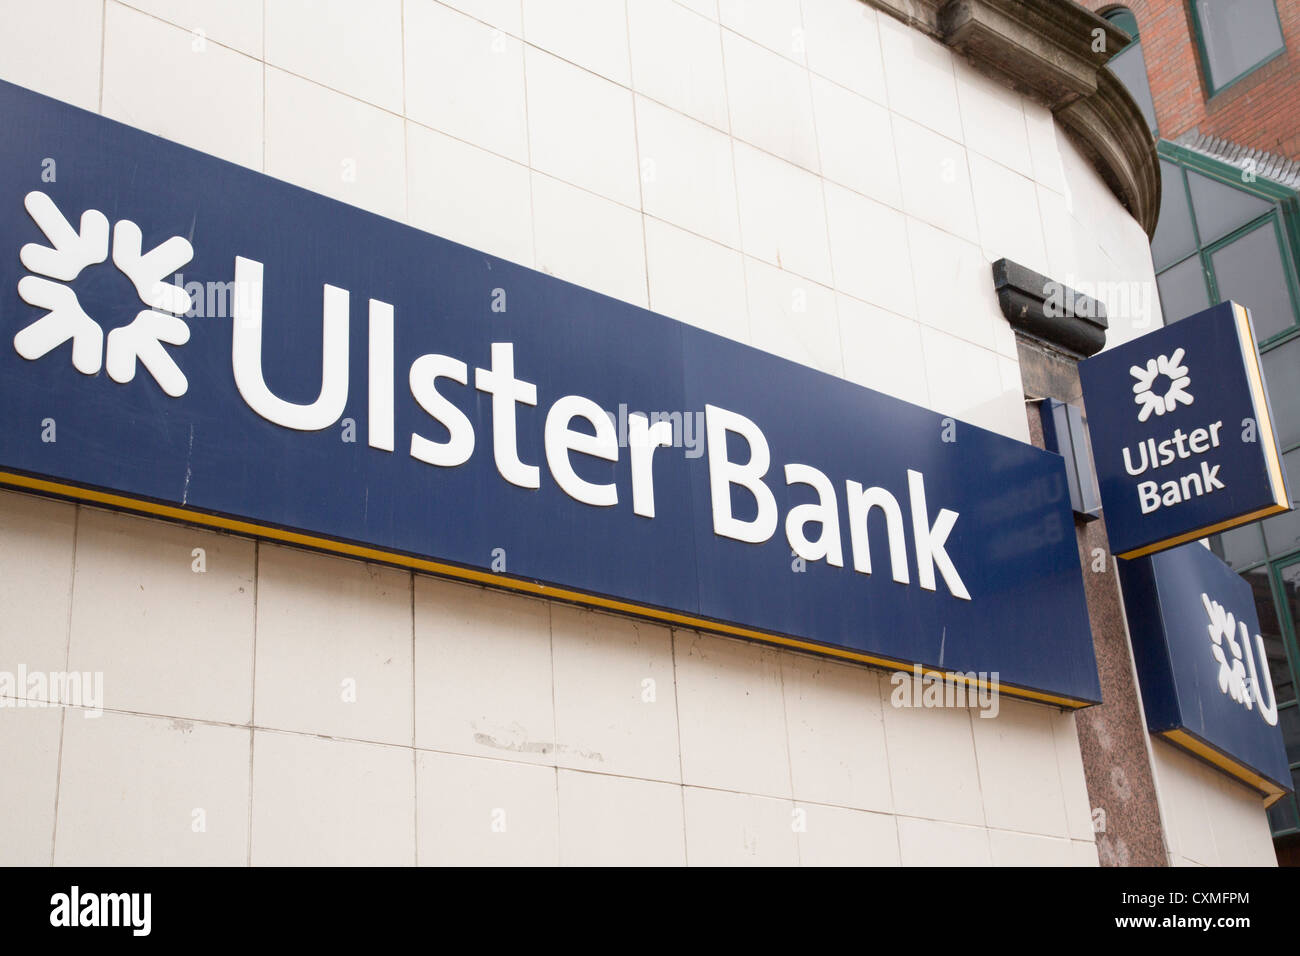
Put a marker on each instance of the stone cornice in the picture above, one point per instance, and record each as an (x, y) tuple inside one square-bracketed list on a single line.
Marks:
[(1044, 49)]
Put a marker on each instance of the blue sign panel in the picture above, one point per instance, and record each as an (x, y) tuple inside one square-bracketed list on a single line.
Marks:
[(1203, 667), (1182, 437), (192, 339)]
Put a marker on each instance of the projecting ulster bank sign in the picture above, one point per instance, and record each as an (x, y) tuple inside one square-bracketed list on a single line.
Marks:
[(363, 387), (1181, 433)]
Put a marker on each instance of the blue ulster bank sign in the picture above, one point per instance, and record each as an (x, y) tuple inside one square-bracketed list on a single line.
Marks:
[(1181, 433), (1203, 667), (188, 338)]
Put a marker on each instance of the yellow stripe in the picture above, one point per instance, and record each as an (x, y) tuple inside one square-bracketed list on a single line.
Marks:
[(1203, 532), (490, 579), (1262, 413), (1271, 791)]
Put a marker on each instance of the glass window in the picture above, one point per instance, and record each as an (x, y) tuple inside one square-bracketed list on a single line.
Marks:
[(1220, 208), (1182, 290), (1282, 378), (1282, 815), (1270, 629), (1282, 533), (1240, 547), (1249, 270), (1129, 66), (1174, 238), (1236, 36)]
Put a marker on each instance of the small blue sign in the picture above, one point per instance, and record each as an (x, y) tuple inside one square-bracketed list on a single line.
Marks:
[(1182, 436), (1202, 664), (192, 339)]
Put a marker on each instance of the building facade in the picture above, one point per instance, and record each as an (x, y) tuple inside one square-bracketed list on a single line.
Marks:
[(829, 181)]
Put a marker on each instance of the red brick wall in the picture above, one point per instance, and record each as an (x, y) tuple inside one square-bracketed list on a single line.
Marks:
[(1261, 111)]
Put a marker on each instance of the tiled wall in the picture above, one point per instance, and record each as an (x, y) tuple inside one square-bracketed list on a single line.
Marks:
[(811, 178)]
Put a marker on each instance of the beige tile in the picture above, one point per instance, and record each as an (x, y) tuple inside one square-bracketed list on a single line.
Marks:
[(954, 285), (919, 78), (732, 719), (931, 843), (882, 351), (1025, 849), (36, 558), (320, 802), (152, 791), (1069, 761), (1240, 822), (835, 836), (168, 638), (782, 214), (1045, 157), (775, 24), (792, 317), (211, 98), (54, 48), (232, 23), (739, 829), (483, 672), (1007, 210), (856, 141), (869, 250), (993, 122), (465, 78), (29, 752), (843, 42), (770, 102), (1019, 779), (335, 145), (615, 705), (503, 14), (837, 736), (333, 646), (618, 821), (476, 812), (353, 48), (591, 33), (1083, 853), (935, 178), (932, 764), (690, 79), (696, 281)]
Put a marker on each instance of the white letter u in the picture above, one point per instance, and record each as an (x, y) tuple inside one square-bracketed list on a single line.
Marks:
[(246, 355)]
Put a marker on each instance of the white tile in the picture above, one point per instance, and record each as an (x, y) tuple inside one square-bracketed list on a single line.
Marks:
[(320, 802), (581, 128), (687, 177), (837, 736), (212, 97), (919, 78), (856, 142), (1025, 849), (967, 383), (705, 8), (36, 560), (992, 119), (935, 179), (333, 646), (1240, 822), (468, 195), (782, 214), (696, 281), (1069, 761), (1045, 158), (1007, 210), (932, 843), (232, 23), (1083, 853), (333, 144), (505, 15), (775, 24), (794, 318), (617, 821), (150, 791), (882, 351), (54, 48), (1011, 419), (482, 672), (954, 285), (932, 765), (677, 60), (869, 250), (169, 639), (1019, 779), (739, 829), (29, 752), (588, 240), (731, 715), (843, 44), (770, 102), (476, 812), (835, 836), (353, 48), (615, 705), (590, 33), (465, 79)]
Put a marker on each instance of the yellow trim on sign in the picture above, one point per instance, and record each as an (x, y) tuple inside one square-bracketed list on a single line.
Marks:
[(1181, 738), (171, 512), (1203, 532), (1263, 415)]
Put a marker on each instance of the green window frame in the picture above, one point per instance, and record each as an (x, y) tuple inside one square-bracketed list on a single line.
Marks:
[(1198, 28)]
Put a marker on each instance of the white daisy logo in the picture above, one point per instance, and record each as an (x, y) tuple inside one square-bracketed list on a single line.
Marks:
[(69, 252), (1247, 683), (1144, 394)]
